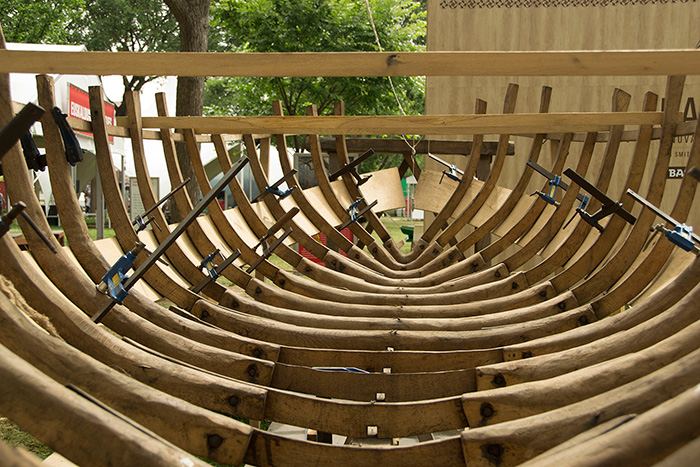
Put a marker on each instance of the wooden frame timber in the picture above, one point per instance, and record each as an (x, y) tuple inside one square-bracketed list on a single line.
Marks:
[(519, 341)]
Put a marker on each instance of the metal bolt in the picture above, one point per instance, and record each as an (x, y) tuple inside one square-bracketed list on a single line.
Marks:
[(214, 441), (372, 431), (475, 264), (486, 410), (543, 293), (494, 450), (205, 314), (234, 401), (514, 285), (562, 306), (257, 353), (258, 290), (282, 282), (583, 320), (497, 275), (499, 380), (252, 371), (234, 304)]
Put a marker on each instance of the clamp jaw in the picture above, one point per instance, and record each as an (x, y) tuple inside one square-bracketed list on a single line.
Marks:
[(112, 281), (351, 168), (140, 224), (275, 188), (279, 193), (451, 171), (208, 264), (550, 196), (608, 206), (356, 215), (680, 235)]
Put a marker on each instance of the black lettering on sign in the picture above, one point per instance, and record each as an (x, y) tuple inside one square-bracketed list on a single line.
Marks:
[(690, 113), (675, 172)]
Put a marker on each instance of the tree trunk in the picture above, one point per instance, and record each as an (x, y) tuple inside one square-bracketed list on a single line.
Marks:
[(193, 19)]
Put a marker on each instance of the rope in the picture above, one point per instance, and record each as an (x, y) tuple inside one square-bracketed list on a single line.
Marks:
[(393, 89)]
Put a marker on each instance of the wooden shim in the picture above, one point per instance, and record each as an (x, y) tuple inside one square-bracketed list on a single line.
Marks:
[(549, 63)]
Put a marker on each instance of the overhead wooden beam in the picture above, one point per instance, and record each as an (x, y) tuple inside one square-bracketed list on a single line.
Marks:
[(414, 124), (541, 63), (399, 146)]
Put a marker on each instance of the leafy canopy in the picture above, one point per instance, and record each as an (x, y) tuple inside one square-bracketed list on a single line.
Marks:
[(39, 21), (312, 26)]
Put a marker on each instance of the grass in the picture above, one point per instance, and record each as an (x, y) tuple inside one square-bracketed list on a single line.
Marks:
[(14, 436), (393, 226)]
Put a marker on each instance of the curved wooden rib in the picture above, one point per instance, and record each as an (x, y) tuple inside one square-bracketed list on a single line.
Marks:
[(513, 442), (446, 362), (373, 220), (46, 408)]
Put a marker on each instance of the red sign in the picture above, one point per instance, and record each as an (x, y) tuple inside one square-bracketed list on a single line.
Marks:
[(3, 200), (79, 107), (321, 238)]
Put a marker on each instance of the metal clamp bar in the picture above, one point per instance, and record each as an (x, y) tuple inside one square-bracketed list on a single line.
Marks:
[(276, 226), (358, 216), (139, 221), (660, 213), (177, 231), (216, 271), (542, 171), (18, 209), (274, 186), (609, 206), (350, 167), (270, 250)]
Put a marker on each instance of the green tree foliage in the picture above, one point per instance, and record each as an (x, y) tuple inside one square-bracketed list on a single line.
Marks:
[(39, 21), (127, 26), (313, 26)]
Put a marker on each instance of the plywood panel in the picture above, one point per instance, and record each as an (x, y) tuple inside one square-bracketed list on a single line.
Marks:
[(300, 219), (385, 187), (242, 228), (318, 201), (433, 191)]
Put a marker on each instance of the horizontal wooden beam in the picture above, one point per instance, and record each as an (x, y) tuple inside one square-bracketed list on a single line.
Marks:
[(541, 63), (400, 146), (123, 131), (409, 125)]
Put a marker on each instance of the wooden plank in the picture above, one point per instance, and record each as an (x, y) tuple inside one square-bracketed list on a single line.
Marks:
[(412, 124), (399, 146), (433, 191), (385, 187), (546, 63)]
